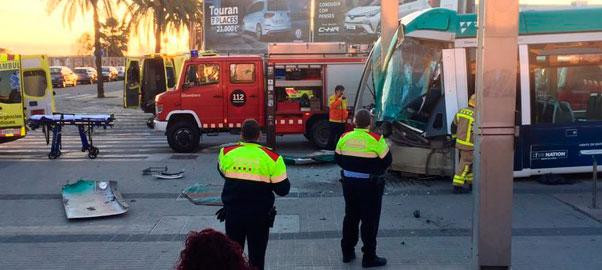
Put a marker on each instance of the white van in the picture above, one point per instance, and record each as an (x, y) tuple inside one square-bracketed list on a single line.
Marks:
[(266, 17)]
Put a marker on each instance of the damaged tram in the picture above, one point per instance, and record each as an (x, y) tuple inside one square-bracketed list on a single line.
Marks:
[(430, 70)]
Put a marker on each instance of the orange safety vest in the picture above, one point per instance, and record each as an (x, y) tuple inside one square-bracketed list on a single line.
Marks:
[(338, 109)]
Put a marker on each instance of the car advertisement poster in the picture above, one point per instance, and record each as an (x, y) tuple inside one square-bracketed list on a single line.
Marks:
[(246, 26), (329, 15)]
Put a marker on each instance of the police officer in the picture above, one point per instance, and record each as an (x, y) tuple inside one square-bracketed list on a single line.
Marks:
[(337, 115), (364, 157), (252, 173), (462, 131)]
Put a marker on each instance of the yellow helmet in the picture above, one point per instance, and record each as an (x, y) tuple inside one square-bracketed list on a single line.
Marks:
[(472, 102)]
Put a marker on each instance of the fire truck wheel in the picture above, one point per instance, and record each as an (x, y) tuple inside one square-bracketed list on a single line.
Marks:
[(320, 131), (183, 137)]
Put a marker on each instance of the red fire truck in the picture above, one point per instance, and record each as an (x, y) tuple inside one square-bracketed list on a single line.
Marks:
[(216, 93)]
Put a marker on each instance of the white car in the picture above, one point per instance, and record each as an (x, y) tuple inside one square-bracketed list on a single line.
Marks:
[(367, 18), (266, 17)]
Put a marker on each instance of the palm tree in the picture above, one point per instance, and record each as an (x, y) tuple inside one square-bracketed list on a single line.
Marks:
[(163, 15), (72, 8)]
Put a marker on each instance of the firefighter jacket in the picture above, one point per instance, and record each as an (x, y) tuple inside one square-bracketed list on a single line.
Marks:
[(362, 151), (337, 109), (462, 129), (252, 173)]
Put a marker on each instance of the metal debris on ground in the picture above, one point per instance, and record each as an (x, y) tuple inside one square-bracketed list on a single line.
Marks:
[(323, 156), (168, 175), (417, 214), (201, 194), (89, 199), (163, 173), (152, 170)]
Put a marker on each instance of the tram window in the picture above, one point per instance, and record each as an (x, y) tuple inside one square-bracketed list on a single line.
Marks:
[(567, 88)]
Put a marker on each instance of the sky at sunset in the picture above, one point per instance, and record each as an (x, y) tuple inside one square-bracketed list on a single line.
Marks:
[(27, 28)]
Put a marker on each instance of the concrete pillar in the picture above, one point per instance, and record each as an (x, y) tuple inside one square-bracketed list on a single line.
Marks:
[(496, 98), (389, 20)]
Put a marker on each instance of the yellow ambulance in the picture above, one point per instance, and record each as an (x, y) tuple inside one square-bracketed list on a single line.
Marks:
[(25, 90), (148, 76)]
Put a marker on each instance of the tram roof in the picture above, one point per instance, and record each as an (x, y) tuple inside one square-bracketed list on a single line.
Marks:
[(531, 22)]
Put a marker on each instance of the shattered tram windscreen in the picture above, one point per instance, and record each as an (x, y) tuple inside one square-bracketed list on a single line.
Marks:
[(412, 70)]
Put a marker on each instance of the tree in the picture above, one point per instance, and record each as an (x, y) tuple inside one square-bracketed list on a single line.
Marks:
[(163, 15), (72, 8), (114, 38), (84, 45)]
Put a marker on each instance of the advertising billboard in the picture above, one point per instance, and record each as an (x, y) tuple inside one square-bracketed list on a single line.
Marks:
[(246, 26)]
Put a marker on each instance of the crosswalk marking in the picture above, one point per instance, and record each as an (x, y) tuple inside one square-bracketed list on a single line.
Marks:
[(128, 140)]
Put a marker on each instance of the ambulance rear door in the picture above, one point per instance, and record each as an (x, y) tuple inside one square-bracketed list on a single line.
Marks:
[(37, 85), (178, 62), (132, 82), (12, 119), (170, 73)]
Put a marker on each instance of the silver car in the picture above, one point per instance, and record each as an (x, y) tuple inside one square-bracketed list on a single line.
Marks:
[(367, 18), (266, 17)]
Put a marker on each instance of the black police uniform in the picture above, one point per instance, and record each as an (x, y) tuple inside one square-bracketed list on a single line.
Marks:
[(252, 174), (364, 157)]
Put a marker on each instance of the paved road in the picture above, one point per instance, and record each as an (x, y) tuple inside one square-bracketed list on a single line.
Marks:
[(129, 139), (552, 230)]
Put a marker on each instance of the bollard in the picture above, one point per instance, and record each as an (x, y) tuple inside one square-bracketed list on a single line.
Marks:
[(595, 183)]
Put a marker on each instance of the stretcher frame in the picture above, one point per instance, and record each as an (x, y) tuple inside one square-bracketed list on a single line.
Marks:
[(85, 125)]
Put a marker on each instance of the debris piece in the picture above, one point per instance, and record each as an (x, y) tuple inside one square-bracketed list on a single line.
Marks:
[(323, 218), (89, 198), (428, 221), (417, 214), (201, 194), (151, 170), (323, 156), (168, 175), (403, 243)]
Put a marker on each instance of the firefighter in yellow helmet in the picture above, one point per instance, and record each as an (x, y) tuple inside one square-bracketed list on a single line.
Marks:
[(462, 131)]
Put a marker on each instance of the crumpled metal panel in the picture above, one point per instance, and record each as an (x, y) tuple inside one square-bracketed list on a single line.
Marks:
[(89, 199), (202, 194)]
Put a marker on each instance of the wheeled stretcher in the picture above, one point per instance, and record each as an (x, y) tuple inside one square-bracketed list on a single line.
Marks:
[(85, 124)]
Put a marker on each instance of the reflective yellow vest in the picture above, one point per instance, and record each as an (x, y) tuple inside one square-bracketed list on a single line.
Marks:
[(362, 143), (252, 162), (464, 121)]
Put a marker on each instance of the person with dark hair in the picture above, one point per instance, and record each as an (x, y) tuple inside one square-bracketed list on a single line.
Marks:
[(252, 173), (211, 250), (337, 116), (364, 157)]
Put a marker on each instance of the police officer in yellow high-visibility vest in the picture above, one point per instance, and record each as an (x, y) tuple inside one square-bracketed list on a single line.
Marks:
[(252, 173), (462, 131), (364, 157)]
